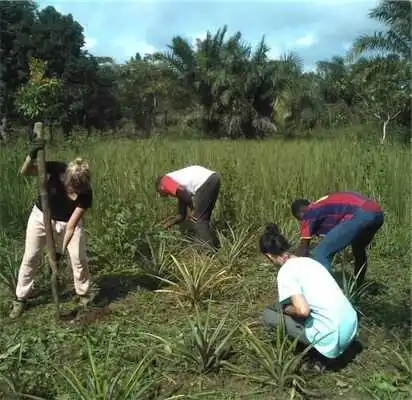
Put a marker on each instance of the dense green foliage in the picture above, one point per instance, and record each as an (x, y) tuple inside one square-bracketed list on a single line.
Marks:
[(221, 87)]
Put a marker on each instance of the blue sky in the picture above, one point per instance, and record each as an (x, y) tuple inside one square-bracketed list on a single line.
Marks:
[(316, 29)]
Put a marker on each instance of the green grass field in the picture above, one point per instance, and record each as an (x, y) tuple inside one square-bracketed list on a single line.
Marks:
[(162, 339)]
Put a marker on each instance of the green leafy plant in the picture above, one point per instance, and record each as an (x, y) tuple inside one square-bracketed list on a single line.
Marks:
[(38, 97), (277, 360), (104, 383), (9, 270), (194, 283), (402, 358), (398, 385), (158, 263), (121, 235), (205, 346), (234, 246), (11, 385), (382, 387), (352, 290)]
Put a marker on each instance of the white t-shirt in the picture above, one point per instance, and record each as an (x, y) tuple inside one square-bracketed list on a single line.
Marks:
[(191, 177), (332, 323)]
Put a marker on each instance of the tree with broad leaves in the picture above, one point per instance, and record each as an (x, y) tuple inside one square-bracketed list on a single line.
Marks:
[(384, 91), (37, 99), (57, 39), (16, 21), (142, 86), (104, 108), (384, 80)]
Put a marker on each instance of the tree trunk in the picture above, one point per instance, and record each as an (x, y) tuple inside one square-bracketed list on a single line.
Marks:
[(385, 125), (50, 126), (51, 252), (149, 124), (139, 124), (30, 134), (329, 117), (67, 127), (3, 111), (3, 128)]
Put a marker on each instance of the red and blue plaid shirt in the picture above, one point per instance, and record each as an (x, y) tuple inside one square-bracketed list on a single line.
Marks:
[(324, 214)]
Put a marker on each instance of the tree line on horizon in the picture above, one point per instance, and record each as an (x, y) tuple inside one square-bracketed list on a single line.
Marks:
[(221, 87)]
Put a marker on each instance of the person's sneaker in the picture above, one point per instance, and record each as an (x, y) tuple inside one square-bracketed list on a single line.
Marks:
[(18, 309), (312, 366), (85, 301), (88, 299), (319, 367)]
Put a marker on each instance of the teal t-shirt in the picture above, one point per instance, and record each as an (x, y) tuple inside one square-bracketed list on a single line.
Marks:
[(333, 322)]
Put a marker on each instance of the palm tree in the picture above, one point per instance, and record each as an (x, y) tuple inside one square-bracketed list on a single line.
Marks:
[(230, 83), (396, 14), (385, 79), (286, 83)]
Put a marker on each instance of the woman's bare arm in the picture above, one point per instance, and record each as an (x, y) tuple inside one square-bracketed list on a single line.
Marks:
[(29, 167), (298, 308), (70, 228)]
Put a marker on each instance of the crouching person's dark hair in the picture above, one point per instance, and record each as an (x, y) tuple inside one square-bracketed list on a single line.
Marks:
[(272, 241), (297, 206)]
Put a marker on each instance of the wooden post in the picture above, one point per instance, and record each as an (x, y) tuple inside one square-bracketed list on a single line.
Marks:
[(51, 251)]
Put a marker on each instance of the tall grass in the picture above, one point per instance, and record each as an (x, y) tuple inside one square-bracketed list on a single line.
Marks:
[(262, 177)]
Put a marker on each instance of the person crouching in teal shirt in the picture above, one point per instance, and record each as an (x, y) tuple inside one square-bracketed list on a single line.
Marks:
[(312, 304)]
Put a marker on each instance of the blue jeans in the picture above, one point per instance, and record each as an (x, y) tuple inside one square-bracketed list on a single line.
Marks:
[(358, 231)]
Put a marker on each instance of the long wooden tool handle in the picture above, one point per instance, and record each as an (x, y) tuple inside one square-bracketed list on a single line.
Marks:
[(51, 252)]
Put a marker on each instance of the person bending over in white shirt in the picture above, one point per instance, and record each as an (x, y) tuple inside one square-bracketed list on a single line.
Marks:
[(197, 189), (312, 304)]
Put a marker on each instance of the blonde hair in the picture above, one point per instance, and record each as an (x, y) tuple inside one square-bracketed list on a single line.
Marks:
[(78, 175)]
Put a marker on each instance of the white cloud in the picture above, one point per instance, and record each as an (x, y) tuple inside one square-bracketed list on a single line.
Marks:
[(89, 43), (309, 68), (306, 40), (127, 47), (275, 52)]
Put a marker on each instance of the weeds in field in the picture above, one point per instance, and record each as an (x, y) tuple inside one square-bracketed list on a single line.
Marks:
[(195, 282), (401, 359), (10, 260), (103, 383), (396, 384), (9, 270), (382, 387), (11, 385), (123, 231), (278, 362), (204, 346)]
